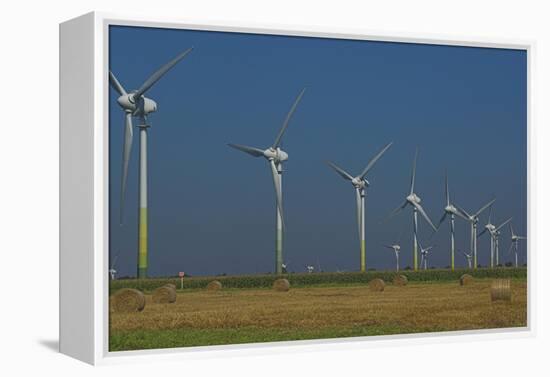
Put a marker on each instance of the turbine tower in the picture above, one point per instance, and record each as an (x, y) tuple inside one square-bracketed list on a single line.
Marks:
[(135, 104), (474, 219), (276, 157), (414, 201), (451, 211), (514, 244), (360, 184), (494, 232)]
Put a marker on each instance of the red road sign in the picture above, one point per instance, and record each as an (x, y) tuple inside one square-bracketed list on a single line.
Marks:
[(182, 274)]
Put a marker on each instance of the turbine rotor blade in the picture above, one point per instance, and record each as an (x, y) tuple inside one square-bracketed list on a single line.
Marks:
[(484, 207), (504, 223), (447, 189), (374, 160), (256, 152), (287, 119), (160, 72), (396, 211), (278, 192), (464, 213), (126, 151), (340, 171), (511, 247), (512, 230), (482, 233), (116, 84), (442, 219), (423, 213), (413, 175)]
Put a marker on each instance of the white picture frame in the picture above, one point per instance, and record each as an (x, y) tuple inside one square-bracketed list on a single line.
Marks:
[(84, 187)]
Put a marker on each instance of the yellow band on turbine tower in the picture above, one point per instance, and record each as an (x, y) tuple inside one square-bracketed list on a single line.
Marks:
[(142, 253)]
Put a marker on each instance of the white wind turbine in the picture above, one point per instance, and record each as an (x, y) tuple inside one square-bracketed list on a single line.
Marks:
[(468, 258), (135, 104), (451, 211), (494, 232), (112, 270), (474, 219), (514, 244), (360, 184), (414, 201), (424, 252), (396, 247), (276, 156)]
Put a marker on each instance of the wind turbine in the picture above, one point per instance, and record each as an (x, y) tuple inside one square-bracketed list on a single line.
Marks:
[(424, 255), (396, 247), (276, 156), (310, 269), (468, 258), (451, 211), (494, 232), (284, 267), (112, 270), (135, 104), (490, 227), (360, 184), (514, 244), (474, 219), (414, 201)]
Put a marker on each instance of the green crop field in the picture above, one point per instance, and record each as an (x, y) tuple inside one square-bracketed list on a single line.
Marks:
[(323, 278)]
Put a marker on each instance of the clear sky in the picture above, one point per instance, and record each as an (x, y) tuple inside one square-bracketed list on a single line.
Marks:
[(212, 208)]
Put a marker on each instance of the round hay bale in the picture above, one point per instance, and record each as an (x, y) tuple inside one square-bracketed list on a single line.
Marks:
[(214, 285), (173, 286), (377, 285), (281, 285), (400, 280), (128, 300), (466, 279), (500, 290), (164, 295)]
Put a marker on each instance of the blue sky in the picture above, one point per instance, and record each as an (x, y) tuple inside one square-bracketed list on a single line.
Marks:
[(212, 208)]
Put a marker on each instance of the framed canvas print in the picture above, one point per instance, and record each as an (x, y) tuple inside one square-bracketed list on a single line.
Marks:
[(224, 186)]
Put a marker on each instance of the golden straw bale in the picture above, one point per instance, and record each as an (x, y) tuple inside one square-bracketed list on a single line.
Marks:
[(128, 300), (500, 290), (466, 279), (214, 285), (400, 280), (164, 295), (281, 285), (377, 285)]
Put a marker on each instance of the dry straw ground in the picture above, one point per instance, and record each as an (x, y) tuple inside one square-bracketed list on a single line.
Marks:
[(259, 315)]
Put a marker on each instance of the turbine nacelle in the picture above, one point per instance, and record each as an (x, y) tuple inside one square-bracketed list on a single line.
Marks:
[(141, 106), (413, 198), (277, 155), (359, 183)]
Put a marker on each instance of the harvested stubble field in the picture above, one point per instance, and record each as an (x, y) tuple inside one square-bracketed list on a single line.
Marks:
[(258, 315)]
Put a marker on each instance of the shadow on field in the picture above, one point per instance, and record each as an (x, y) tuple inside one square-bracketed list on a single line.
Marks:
[(52, 345)]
